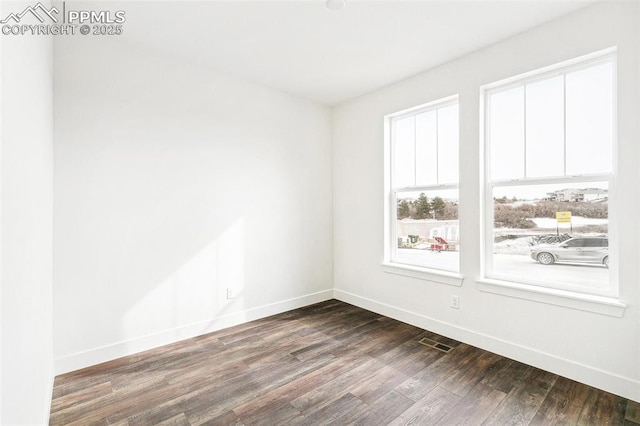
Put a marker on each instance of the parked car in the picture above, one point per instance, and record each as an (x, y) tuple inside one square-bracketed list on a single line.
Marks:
[(574, 250)]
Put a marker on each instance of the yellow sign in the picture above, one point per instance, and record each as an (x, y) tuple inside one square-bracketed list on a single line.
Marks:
[(563, 217)]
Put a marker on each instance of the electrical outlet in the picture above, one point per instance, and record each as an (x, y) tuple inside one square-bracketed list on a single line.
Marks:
[(455, 302), (229, 293)]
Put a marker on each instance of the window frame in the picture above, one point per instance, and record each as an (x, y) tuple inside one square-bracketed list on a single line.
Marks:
[(391, 262), (489, 281)]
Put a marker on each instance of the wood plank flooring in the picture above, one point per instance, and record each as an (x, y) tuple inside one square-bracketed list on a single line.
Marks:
[(329, 363)]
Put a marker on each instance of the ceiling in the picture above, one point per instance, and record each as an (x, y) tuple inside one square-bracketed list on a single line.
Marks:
[(303, 48)]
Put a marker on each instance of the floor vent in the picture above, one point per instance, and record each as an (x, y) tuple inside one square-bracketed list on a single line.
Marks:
[(435, 345)]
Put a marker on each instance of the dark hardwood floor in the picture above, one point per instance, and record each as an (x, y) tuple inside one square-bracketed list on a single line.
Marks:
[(329, 363)]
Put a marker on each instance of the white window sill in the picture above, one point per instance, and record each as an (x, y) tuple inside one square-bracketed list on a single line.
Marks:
[(433, 275), (584, 302)]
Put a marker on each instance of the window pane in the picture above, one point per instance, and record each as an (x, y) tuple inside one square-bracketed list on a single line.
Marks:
[(403, 152), (531, 245), (427, 231), (448, 144), (545, 128), (574, 243), (506, 126), (590, 120), (426, 149)]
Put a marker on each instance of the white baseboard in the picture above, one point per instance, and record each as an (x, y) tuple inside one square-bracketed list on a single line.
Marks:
[(130, 347), (597, 378)]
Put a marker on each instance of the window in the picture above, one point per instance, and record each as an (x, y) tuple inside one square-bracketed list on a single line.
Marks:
[(549, 154), (422, 176)]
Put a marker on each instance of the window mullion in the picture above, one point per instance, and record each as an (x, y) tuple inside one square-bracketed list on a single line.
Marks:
[(564, 122), (437, 148), (524, 127), (427, 188), (551, 180), (415, 152)]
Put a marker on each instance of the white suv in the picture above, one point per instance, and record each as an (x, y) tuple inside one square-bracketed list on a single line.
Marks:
[(574, 250)]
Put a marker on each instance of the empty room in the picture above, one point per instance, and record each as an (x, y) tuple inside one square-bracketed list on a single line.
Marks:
[(320, 212)]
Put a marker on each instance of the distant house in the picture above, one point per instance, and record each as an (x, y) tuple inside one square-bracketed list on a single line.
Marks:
[(575, 195)]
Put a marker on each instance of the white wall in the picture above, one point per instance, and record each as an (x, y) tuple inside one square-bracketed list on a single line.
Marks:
[(601, 350), (172, 184), (26, 188)]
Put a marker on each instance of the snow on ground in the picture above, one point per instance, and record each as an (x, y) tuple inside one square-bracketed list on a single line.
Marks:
[(547, 222), (515, 246)]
